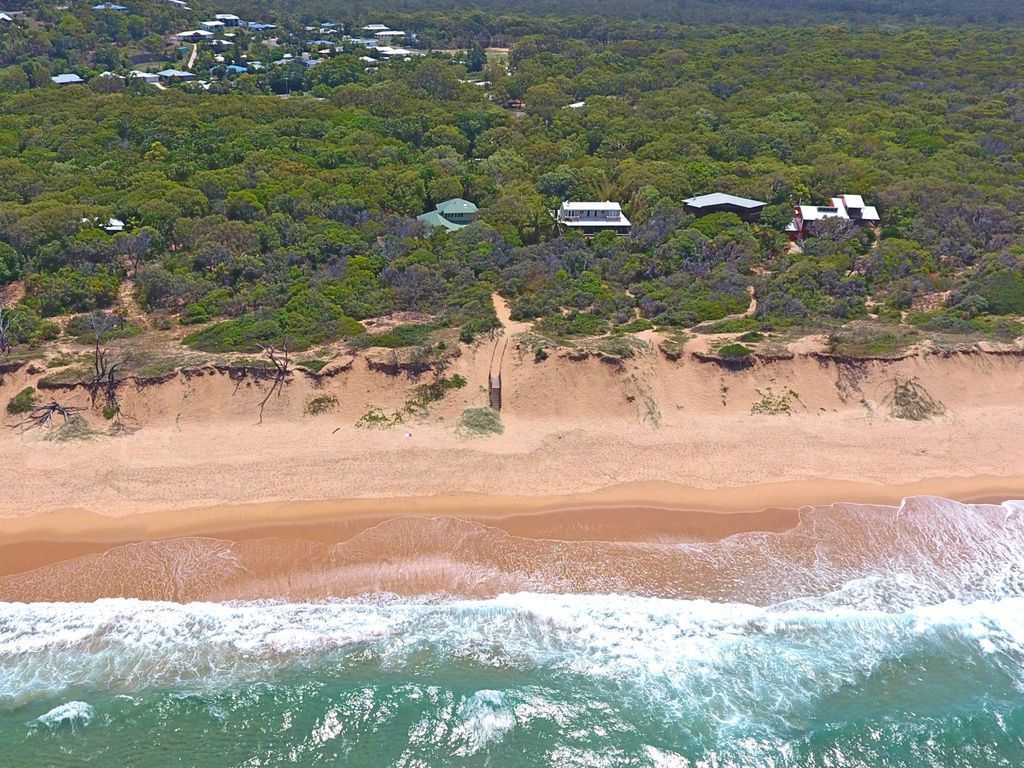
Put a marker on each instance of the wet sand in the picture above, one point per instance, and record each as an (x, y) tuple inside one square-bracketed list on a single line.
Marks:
[(468, 544)]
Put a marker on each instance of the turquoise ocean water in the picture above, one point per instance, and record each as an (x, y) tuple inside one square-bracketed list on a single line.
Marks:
[(903, 648)]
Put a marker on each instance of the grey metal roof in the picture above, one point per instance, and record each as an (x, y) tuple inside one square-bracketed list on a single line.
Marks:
[(721, 198)]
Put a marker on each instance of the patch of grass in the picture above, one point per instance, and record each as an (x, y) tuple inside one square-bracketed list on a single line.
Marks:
[(730, 325), (321, 404), (75, 428), (910, 400), (397, 337), (79, 328), (868, 341), (622, 347), (672, 346), (62, 362), (377, 418), (423, 395), (23, 402), (109, 412), (634, 326), (71, 375), (774, 404), (480, 422), (734, 351), (751, 337), (313, 366)]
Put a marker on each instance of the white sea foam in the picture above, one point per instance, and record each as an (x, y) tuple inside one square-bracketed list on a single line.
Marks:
[(673, 652), (484, 719), (73, 713)]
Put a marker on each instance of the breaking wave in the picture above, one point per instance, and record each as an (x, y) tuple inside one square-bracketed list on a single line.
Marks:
[(865, 636)]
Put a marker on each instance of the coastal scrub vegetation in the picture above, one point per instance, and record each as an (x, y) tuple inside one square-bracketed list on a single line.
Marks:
[(480, 422), (266, 221), (23, 402)]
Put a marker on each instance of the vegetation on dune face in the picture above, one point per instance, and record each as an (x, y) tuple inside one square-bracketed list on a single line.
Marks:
[(262, 221), (378, 418), (397, 337), (23, 402), (480, 422), (734, 351), (773, 403), (321, 404), (910, 400)]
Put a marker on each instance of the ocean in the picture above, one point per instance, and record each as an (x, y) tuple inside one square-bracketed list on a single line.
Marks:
[(901, 644)]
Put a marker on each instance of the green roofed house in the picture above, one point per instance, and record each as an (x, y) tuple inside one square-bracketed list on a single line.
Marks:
[(451, 214)]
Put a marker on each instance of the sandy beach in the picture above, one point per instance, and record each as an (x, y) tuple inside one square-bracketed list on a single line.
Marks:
[(593, 450)]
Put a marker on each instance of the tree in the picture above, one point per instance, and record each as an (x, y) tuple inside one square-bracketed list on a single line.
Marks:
[(476, 58)]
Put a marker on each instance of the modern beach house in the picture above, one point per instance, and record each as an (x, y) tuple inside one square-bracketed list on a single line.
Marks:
[(846, 207), (593, 217), (451, 214), (720, 202)]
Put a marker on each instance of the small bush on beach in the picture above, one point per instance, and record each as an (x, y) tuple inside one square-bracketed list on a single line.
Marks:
[(772, 404), (480, 422), (377, 418), (910, 400), (23, 402), (75, 428), (734, 351), (321, 404)]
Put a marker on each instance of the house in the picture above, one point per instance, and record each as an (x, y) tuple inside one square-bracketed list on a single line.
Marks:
[(109, 7), (228, 19), (451, 214), (846, 207), (149, 78), (212, 26), (195, 35), (592, 217), (113, 226), (6, 18), (259, 27), (720, 202), (175, 76), (67, 78), (235, 69), (575, 105), (375, 28), (389, 35)]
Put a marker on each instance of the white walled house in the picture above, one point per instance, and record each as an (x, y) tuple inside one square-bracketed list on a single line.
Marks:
[(845, 207), (592, 217)]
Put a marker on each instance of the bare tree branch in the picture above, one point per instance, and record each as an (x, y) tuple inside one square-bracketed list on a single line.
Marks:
[(281, 362), (44, 413)]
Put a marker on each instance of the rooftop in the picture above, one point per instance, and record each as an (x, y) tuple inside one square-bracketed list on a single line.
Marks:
[(607, 205), (67, 78), (456, 205), (721, 198), (435, 219)]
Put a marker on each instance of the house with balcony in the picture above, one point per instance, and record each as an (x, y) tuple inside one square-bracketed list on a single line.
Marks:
[(589, 218), (845, 207)]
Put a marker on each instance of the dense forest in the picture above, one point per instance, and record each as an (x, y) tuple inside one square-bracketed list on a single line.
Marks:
[(256, 218)]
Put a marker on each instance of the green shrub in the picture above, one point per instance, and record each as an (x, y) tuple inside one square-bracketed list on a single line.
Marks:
[(734, 351), (751, 337), (424, 395), (321, 404), (23, 402), (109, 412), (480, 422), (71, 290), (376, 418), (398, 337), (314, 366)]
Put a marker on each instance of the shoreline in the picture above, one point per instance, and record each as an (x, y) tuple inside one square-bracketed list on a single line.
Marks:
[(653, 511)]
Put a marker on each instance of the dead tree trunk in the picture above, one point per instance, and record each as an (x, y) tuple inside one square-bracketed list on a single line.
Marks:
[(280, 360)]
